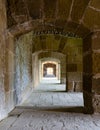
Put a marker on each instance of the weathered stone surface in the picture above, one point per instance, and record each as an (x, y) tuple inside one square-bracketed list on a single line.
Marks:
[(96, 41), (53, 21), (91, 19), (48, 96), (87, 62), (29, 119), (50, 8), (23, 64), (3, 111), (96, 103), (34, 7), (96, 84), (96, 62), (95, 4), (71, 27), (78, 9), (82, 31), (63, 9)]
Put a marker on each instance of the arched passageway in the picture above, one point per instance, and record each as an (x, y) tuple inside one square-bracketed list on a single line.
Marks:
[(23, 26)]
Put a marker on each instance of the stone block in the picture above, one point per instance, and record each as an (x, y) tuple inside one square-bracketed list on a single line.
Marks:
[(91, 19), (71, 67), (96, 84), (95, 4), (87, 82), (10, 43), (87, 44), (88, 106), (34, 8), (96, 103), (96, 62), (87, 63), (77, 12), (49, 9), (63, 9), (96, 41)]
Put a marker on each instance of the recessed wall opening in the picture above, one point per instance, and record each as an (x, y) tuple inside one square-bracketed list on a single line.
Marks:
[(50, 72), (56, 77)]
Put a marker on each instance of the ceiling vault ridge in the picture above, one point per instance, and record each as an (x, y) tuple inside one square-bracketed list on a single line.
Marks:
[(82, 18), (71, 8), (95, 9)]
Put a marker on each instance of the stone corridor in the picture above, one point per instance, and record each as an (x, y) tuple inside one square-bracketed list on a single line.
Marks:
[(56, 38)]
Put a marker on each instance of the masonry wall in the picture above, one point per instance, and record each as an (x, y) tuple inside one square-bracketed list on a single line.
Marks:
[(96, 71), (3, 110), (23, 67), (74, 61), (35, 70)]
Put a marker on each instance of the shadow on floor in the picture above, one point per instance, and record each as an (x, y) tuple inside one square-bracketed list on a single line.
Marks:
[(63, 109)]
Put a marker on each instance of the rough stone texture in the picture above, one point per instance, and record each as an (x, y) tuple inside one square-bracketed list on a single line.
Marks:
[(28, 119), (49, 17), (76, 16), (91, 19), (3, 24), (64, 8), (96, 71), (95, 4), (87, 72), (96, 103), (23, 65), (96, 41), (50, 96), (35, 69), (73, 48), (76, 8), (96, 63), (49, 8), (10, 73)]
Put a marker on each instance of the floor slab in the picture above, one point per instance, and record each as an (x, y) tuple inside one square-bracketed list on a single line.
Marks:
[(53, 96), (28, 119)]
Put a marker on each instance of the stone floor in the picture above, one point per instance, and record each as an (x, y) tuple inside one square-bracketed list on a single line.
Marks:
[(28, 119), (51, 95)]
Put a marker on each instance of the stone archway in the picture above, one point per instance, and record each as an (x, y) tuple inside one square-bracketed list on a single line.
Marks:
[(87, 108), (72, 21)]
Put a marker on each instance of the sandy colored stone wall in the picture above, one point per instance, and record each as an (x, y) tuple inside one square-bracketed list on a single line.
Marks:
[(23, 66), (96, 71), (73, 49), (3, 111), (35, 70)]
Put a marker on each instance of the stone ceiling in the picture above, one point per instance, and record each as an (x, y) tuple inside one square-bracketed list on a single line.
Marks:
[(76, 17)]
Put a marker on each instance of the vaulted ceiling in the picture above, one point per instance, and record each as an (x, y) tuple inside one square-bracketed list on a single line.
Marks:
[(72, 17)]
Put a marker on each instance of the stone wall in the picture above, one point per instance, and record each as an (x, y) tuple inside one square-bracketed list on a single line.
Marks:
[(10, 73), (23, 66), (35, 69), (3, 111), (96, 71), (73, 49)]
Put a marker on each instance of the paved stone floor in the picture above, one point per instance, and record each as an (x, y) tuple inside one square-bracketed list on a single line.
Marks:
[(53, 95), (48, 96), (28, 119), (53, 100)]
